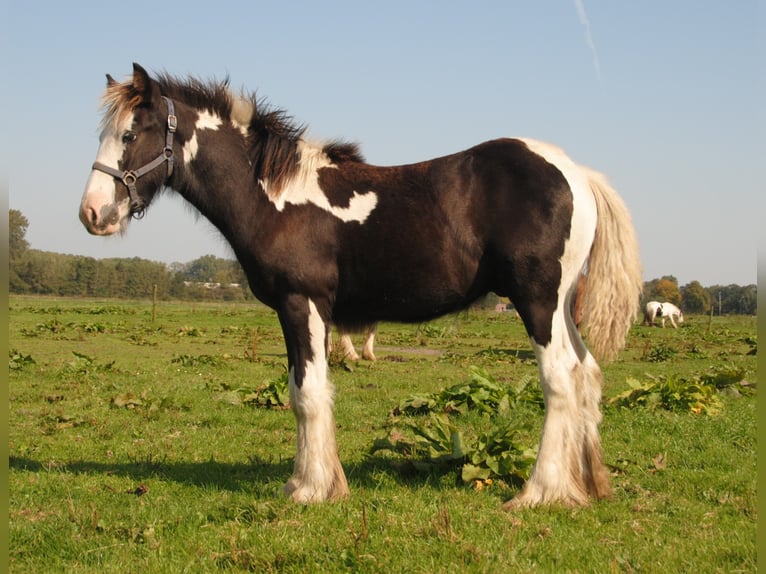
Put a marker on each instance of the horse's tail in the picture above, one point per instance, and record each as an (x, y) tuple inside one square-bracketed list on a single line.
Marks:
[(614, 282)]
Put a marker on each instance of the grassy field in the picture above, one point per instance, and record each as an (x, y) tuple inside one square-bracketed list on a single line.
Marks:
[(136, 445)]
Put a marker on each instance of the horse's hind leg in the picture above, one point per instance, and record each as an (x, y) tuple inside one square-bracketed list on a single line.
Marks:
[(347, 346), (367, 351), (569, 467)]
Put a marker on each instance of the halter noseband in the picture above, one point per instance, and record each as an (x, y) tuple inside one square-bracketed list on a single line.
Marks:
[(129, 177)]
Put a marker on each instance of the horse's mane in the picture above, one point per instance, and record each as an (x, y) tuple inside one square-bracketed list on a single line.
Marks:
[(273, 134)]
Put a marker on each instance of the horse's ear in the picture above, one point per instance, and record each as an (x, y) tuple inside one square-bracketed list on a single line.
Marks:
[(142, 83), (110, 81)]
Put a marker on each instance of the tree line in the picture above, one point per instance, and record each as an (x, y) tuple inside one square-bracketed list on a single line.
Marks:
[(694, 298), (45, 273), (41, 272)]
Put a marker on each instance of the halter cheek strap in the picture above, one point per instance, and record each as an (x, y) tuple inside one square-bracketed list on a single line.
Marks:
[(129, 177)]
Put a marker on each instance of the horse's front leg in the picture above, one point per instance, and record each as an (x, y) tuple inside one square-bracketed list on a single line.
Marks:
[(317, 475)]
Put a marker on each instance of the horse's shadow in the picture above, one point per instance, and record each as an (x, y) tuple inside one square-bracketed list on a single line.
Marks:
[(245, 476), (229, 476)]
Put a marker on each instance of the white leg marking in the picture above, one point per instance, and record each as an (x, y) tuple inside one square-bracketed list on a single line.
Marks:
[(318, 474), (569, 467), (556, 476)]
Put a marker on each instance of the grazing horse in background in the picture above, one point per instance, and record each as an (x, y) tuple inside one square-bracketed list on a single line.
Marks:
[(655, 309), (325, 238), (347, 345)]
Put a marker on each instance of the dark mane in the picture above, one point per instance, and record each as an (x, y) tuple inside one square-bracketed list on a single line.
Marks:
[(274, 137), (339, 152), (213, 96), (273, 133)]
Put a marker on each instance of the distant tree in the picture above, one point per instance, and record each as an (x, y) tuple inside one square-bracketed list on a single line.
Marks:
[(734, 299), (204, 269), (17, 233), (695, 298), (663, 289), (17, 249), (106, 282), (81, 279), (176, 288), (748, 300), (238, 277), (227, 273), (139, 276), (45, 273)]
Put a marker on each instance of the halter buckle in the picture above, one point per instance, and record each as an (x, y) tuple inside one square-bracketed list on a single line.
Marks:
[(129, 178)]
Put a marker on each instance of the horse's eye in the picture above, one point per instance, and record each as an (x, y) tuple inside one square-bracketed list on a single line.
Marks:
[(128, 137)]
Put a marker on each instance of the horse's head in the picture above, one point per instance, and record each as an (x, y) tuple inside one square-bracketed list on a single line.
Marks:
[(135, 154)]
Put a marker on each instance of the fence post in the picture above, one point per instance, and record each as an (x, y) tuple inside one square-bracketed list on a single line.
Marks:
[(154, 303)]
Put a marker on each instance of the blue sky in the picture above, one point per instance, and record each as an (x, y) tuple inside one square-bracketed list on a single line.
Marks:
[(666, 98)]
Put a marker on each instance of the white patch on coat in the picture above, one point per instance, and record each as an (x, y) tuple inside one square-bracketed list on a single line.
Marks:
[(205, 121), (304, 188), (583, 205)]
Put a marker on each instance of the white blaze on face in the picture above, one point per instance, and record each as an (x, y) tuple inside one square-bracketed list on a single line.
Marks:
[(206, 121), (99, 210), (304, 188)]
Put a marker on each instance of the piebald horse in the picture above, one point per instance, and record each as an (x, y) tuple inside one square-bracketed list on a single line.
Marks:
[(325, 237), (666, 310)]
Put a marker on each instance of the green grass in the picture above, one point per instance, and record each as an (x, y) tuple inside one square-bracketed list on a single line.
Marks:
[(133, 451)]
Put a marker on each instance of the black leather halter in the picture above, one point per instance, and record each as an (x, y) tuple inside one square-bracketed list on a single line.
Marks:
[(129, 177)]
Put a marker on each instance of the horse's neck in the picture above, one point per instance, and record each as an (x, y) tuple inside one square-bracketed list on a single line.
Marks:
[(220, 184)]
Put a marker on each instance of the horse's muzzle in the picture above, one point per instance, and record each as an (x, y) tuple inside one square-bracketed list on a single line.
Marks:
[(100, 221)]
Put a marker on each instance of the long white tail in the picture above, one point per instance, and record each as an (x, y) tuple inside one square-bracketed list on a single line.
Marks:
[(614, 281)]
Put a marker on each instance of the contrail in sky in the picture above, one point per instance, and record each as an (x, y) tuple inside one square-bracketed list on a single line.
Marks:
[(580, 5)]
